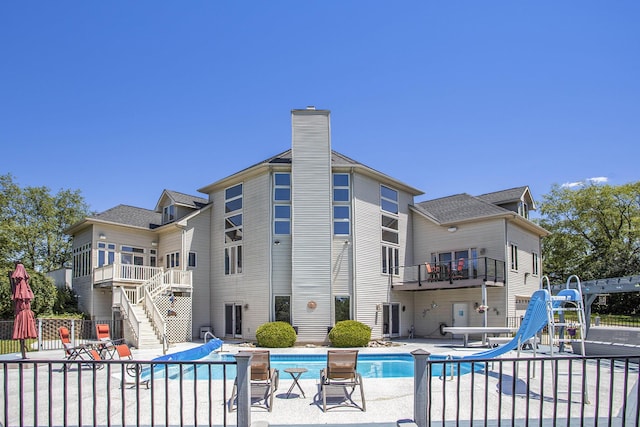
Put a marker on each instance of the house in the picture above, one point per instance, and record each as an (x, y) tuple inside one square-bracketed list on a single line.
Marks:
[(310, 237)]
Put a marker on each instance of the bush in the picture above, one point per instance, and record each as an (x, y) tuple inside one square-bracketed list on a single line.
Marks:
[(276, 335), (350, 333)]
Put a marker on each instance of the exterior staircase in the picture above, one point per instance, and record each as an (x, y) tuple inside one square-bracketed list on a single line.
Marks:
[(148, 338)]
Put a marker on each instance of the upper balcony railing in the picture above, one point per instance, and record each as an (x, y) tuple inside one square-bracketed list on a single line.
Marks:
[(482, 268), (124, 273)]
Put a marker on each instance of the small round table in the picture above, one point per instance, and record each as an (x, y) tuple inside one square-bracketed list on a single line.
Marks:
[(295, 373)]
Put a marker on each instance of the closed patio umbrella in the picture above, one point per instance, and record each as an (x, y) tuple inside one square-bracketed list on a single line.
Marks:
[(24, 325)]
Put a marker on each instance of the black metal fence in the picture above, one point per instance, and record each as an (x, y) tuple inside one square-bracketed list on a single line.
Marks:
[(114, 392), (567, 391)]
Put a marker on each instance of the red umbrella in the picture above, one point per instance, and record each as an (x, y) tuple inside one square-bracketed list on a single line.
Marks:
[(24, 325)]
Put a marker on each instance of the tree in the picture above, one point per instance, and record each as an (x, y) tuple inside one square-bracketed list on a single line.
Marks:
[(32, 224), (595, 234), (44, 295)]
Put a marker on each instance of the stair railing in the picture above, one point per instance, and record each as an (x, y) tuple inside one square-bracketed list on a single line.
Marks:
[(121, 301)]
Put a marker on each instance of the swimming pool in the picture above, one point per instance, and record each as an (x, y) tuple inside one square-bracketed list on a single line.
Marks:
[(370, 365)]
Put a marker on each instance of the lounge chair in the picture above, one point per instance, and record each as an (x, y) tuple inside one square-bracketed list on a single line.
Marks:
[(263, 376), (107, 347), (134, 370), (72, 352), (341, 371)]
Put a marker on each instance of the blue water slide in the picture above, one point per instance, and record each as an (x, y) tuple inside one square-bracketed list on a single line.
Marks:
[(535, 318)]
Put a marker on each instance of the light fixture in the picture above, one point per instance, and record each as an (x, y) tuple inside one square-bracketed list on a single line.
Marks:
[(311, 305), (246, 306), (102, 236), (346, 242), (277, 242), (154, 243), (434, 305), (452, 229)]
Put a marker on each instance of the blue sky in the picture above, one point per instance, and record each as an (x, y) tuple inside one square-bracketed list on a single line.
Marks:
[(122, 99)]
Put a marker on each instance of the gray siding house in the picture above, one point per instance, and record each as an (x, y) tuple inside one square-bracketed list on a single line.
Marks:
[(310, 237)]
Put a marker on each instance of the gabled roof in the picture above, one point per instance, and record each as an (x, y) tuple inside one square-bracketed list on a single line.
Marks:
[(461, 208), (457, 208), (509, 196), (131, 216), (181, 199), (337, 160)]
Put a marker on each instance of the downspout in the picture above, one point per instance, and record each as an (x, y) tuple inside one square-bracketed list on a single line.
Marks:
[(352, 248), (507, 266)]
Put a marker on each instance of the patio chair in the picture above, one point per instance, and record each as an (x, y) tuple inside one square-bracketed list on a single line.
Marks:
[(107, 347), (263, 376), (341, 371), (432, 272), (458, 273), (72, 352), (133, 370)]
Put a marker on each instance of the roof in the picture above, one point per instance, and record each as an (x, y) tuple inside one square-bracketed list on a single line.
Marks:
[(511, 195), (337, 160), (130, 215), (459, 207), (183, 199)]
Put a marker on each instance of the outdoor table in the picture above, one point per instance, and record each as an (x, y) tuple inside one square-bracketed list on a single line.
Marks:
[(295, 373)]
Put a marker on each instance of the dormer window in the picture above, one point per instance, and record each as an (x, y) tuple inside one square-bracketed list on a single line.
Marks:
[(523, 209), (168, 214)]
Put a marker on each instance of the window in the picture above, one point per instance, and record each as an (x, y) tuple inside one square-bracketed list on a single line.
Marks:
[(233, 260), (168, 214), (389, 229), (233, 230), (342, 308), (282, 219), (514, 256), (388, 199), (282, 187), (390, 263), (82, 260), (172, 260), (523, 209), (191, 262), (282, 206), (534, 266), (341, 187), (341, 204), (106, 253), (282, 308), (341, 220)]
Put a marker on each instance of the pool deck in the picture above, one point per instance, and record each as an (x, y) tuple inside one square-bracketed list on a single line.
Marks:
[(389, 401)]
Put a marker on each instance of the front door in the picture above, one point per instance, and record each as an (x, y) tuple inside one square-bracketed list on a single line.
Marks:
[(391, 319), (233, 320)]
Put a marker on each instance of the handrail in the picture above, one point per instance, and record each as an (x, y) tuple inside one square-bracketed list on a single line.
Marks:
[(120, 300)]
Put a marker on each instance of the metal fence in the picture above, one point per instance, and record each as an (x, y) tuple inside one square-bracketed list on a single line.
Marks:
[(567, 391), (120, 393), (48, 338)]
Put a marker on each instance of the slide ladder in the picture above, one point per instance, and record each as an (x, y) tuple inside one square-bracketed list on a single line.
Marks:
[(565, 329)]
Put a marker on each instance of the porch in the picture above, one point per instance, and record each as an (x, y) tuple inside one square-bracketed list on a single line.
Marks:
[(155, 303)]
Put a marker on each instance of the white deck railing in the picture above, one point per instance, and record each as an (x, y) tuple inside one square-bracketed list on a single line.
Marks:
[(124, 273)]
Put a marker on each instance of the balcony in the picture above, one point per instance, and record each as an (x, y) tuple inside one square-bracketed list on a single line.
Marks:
[(127, 274), (466, 273)]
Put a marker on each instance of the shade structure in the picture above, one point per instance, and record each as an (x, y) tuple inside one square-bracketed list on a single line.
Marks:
[(24, 325)]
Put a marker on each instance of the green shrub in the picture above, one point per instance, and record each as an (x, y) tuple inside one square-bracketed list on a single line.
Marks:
[(350, 333), (276, 335)]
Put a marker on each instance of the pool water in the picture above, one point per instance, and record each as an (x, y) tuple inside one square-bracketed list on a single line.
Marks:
[(392, 365)]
